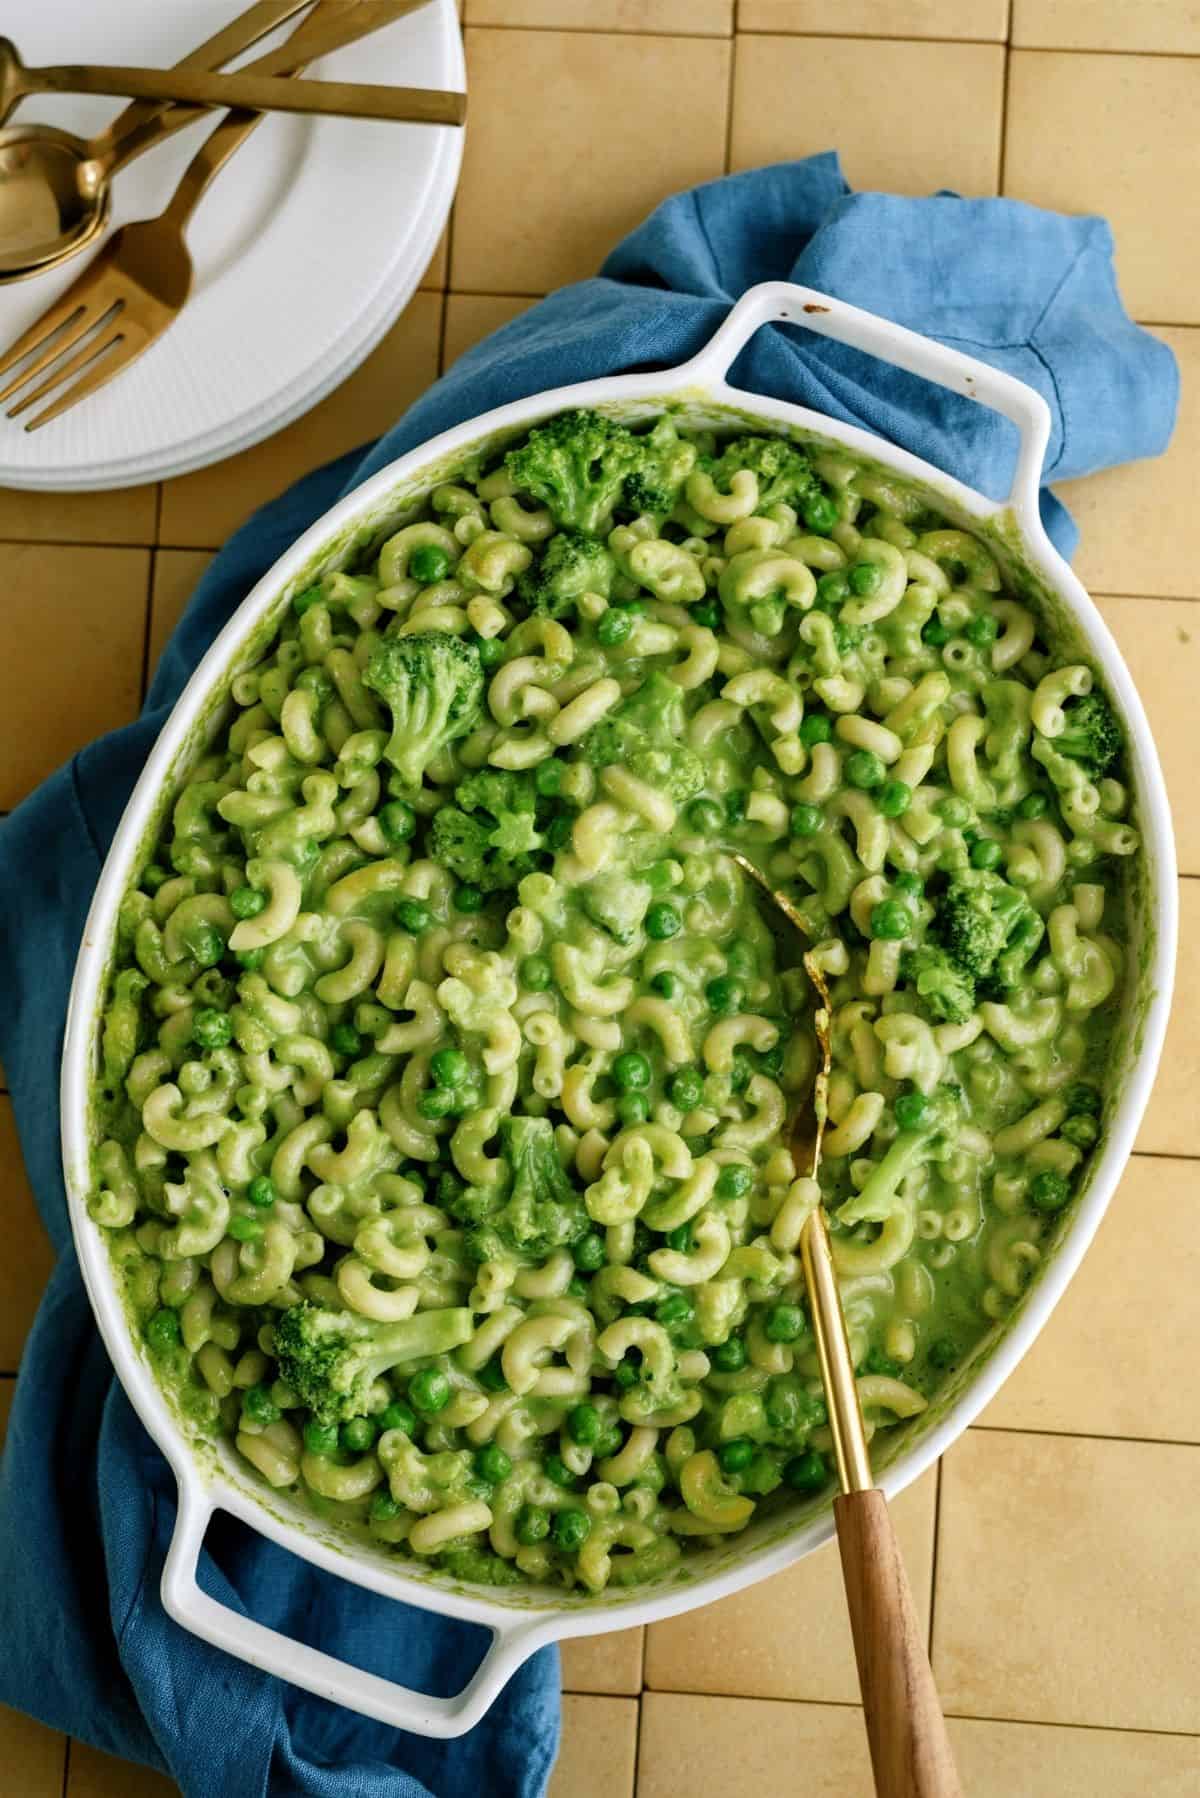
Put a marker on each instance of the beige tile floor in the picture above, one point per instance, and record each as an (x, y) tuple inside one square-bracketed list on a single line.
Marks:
[(1054, 1553)]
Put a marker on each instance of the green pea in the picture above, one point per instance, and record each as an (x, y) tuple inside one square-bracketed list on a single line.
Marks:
[(245, 1229), (548, 778), (910, 1110), (245, 902), (398, 822), (806, 820), (439, 1102), (806, 1472), (953, 811), (783, 1323), (986, 853), (571, 1529), (707, 613), (413, 915), (468, 899), (865, 578), (981, 630), (560, 830), (584, 1425), (666, 985), (304, 602), (934, 632), (891, 921), (741, 1072), (206, 944), (729, 1356), (686, 1088), (398, 1416), (259, 1406), (163, 1332), (1034, 805), (724, 996), (1081, 1130), (909, 886), (1049, 1190), (251, 959), (536, 973), (736, 1455), (771, 1061), (556, 1470), (261, 1192), (894, 798), (153, 876), (735, 805), (532, 1525), (429, 1390), (1083, 1097), (491, 1376), (613, 627), (821, 514), (675, 1311), (428, 563), (633, 1108), (679, 1239), (492, 1464), (864, 769), (490, 650), (384, 1508), (449, 1067), (589, 1253), (816, 727), (631, 1071), (344, 1039), (358, 1434), (212, 1029), (734, 1180), (833, 589), (577, 1287), (625, 1375), (662, 922), (320, 1438), (705, 816)]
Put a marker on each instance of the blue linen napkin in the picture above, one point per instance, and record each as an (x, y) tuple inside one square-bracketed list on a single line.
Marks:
[(86, 1501)]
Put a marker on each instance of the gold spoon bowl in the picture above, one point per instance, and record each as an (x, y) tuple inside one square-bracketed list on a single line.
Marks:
[(54, 198)]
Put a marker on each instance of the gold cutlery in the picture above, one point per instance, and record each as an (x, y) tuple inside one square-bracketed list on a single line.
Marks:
[(55, 187), (910, 1749), (138, 284), (203, 87)]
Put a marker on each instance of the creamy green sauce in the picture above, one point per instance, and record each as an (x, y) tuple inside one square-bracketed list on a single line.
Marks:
[(442, 1017)]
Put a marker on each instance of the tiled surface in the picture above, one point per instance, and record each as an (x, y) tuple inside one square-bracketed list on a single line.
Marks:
[(1063, 1542), (861, 97)]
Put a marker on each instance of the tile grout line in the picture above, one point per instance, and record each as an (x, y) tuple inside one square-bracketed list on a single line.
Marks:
[(933, 1567), (1012, 1429), (637, 1742), (853, 1704), (66, 1778), (1005, 94), (945, 43), (567, 30), (730, 87), (147, 624)]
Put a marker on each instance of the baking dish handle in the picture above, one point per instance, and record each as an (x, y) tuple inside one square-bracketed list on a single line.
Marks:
[(781, 302), (338, 1681)]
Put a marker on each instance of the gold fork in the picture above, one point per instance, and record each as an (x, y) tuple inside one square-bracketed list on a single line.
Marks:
[(906, 1731), (131, 293)]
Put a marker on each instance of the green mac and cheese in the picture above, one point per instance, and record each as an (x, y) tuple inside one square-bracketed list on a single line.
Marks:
[(448, 1060)]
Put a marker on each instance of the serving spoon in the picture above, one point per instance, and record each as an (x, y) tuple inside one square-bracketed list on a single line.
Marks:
[(910, 1749), (56, 188), (246, 92)]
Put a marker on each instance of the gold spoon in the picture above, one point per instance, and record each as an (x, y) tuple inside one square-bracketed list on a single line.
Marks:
[(250, 93), (910, 1749), (55, 187)]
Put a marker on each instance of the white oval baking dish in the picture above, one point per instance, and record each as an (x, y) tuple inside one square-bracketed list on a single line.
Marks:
[(213, 1477)]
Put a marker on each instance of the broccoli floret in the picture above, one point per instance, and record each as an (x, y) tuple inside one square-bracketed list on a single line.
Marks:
[(932, 1140), (432, 684), (543, 1210), (576, 465), (785, 476), (666, 461), (1092, 736), (645, 734), (947, 989), (573, 564), (489, 837), (332, 1359), (480, 1566), (987, 926)]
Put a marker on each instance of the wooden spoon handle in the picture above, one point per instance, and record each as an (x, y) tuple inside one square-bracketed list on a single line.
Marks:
[(910, 1750)]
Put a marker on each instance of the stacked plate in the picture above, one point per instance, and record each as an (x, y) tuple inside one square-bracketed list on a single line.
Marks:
[(307, 247)]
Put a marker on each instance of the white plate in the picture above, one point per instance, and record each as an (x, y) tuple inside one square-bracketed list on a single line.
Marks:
[(306, 247)]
